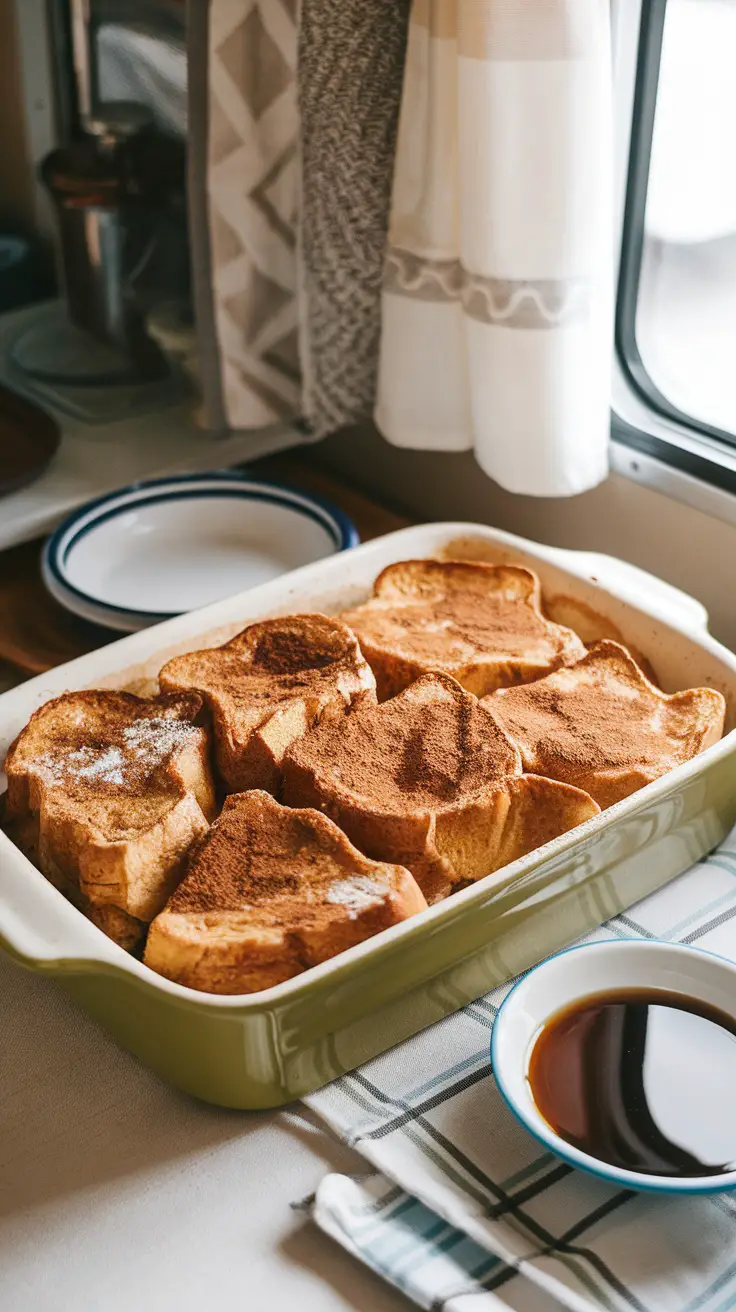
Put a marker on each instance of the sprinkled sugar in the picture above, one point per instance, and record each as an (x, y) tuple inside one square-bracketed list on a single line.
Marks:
[(152, 741), (145, 745), (104, 765), (108, 765), (356, 894)]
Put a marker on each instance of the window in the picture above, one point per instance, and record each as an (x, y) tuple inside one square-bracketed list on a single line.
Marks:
[(676, 322)]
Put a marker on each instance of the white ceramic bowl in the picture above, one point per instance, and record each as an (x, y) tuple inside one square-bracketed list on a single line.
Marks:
[(169, 545), (574, 975)]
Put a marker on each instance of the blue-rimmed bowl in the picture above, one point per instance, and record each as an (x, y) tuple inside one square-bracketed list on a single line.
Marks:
[(169, 545), (574, 975)]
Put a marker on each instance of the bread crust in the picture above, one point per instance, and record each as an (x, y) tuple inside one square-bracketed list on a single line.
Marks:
[(107, 792), (482, 624), (266, 687), (270, 892), (601, 725), (397, 778)]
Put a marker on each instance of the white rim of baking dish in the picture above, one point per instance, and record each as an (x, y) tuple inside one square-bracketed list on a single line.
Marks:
[(91, 952), (91, 949)]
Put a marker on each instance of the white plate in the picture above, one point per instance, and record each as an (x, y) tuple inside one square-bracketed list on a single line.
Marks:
[(166, 546), (581, 972)]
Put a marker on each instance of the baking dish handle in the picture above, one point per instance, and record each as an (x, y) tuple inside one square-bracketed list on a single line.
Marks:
[(38, 927), (633, 584)]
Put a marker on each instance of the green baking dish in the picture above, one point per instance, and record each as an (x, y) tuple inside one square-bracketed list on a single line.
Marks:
[(269, 1048)]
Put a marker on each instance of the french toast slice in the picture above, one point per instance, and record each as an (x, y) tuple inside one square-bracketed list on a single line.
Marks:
[(270, 892), (266, 687), (483, 624), (428, 780), (106, 794), (602, 726)]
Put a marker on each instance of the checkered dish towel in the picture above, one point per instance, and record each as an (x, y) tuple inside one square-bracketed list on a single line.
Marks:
[(462, 1211)]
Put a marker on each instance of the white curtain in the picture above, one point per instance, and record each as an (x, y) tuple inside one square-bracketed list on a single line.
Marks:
[(498, 289)]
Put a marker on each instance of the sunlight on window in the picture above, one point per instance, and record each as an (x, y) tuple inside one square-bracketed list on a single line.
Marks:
[(686, 315)]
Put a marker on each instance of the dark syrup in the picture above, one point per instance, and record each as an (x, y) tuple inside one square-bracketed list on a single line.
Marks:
[(644, 1079)]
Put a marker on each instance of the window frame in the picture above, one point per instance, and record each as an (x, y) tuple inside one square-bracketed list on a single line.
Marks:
[(653, 440)]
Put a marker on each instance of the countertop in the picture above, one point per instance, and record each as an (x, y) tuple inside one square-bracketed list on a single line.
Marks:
[(117, 1192)]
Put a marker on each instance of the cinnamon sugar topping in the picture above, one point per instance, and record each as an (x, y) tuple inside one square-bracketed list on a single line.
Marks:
[(453, 615), (291, 649), (602, 718), (140, 748), (430, 745), (265, 856)]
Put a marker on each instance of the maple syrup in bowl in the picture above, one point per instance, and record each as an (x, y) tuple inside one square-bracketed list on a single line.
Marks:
[(621, 1058)]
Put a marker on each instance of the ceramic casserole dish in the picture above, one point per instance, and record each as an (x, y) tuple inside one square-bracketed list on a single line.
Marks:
[(268, 1048)]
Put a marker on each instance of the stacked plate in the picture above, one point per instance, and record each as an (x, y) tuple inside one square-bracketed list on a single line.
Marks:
[(156, 549)]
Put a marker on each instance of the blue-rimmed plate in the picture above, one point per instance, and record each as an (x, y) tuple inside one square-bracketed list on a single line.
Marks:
[(156, 549)]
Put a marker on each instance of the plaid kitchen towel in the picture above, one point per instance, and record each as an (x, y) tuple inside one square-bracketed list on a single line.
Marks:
[(463, 1211)]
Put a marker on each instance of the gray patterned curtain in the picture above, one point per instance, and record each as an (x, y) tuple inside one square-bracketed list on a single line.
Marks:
[(243, 202), (293, 119)]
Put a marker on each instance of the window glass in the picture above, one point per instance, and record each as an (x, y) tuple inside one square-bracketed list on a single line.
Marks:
[(686, 308)]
